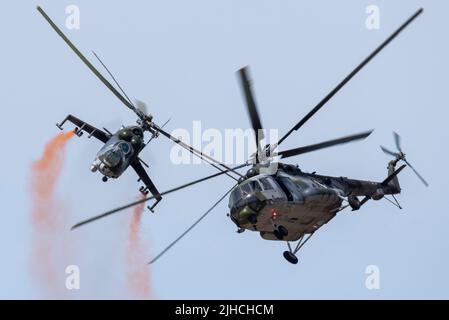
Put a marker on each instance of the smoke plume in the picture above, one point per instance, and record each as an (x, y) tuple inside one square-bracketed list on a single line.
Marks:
[(48, 217), (138, 270), (51, 245)]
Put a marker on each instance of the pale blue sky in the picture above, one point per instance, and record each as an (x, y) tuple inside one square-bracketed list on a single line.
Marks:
[(181, 57)]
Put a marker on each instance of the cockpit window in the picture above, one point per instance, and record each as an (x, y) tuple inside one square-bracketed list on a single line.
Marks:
[(243, 190), (113, 158), (126, 148), (255, 185), (266, 184), (246, 188), (235, 196)]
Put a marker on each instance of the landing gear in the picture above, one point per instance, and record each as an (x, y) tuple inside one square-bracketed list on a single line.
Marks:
[(280, 232), (105, 179), (252, 219), (290, 255)]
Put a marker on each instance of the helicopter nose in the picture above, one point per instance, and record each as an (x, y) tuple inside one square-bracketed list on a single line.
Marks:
[(95, 165), (247, 209), (254, 203)]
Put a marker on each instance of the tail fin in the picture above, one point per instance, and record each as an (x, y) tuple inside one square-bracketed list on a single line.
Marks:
[(392, 179)]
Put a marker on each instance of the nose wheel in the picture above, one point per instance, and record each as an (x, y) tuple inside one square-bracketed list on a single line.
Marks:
[(104, 179), (280, 232)]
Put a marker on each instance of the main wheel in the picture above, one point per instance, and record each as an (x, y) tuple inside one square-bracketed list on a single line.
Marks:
[(290, 257), (104, 178)]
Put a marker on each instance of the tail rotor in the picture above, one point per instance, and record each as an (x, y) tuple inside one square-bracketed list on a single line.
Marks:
[(400, 155)]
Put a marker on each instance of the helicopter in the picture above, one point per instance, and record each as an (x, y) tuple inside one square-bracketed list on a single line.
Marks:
[(282, 202), (122, 148)]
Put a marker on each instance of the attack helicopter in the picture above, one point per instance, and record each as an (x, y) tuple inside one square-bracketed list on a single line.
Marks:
[(122, 148), (280, 201)]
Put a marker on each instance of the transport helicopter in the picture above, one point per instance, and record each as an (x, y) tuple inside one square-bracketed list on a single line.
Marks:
[(122, 148), (280, 201)]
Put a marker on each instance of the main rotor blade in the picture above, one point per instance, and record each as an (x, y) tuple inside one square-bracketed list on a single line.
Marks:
[(397, 141), (350, 76), (142, 106), (113, 78), (251, 107), (416, 172), (391, 153), (110, 212), (190, 228), (196, 152), (84, 59), (322, 145)]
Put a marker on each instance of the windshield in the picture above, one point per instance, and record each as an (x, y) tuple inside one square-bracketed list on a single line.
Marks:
[(243, 190), (235, 196), (125, 147), (113, 157)]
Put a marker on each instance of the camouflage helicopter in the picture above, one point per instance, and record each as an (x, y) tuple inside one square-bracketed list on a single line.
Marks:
[(122, 149), (280, 201)]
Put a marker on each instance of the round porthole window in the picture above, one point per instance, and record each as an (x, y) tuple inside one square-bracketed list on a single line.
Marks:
[(126, 148)]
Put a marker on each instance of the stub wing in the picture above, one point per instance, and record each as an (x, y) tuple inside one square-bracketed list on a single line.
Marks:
[(137, 166), (84, 126)]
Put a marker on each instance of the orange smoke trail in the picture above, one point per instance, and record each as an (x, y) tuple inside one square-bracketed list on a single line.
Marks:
[(138, 270), (47, 220)]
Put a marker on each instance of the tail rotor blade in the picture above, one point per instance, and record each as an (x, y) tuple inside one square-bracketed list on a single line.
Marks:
[(397, 140), (391, 153), (417, 174)]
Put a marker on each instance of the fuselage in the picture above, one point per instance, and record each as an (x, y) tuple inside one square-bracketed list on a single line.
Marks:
[(296, 201), (116, 154)]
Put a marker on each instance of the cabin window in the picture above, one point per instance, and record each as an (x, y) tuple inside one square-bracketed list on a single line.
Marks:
[(301, 184), (291, 190)]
